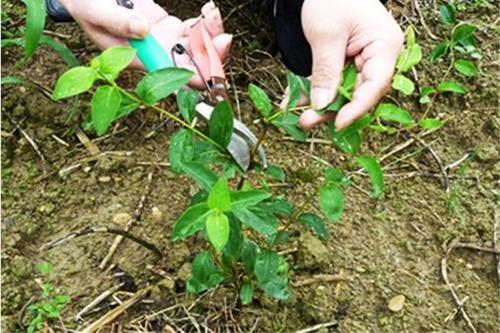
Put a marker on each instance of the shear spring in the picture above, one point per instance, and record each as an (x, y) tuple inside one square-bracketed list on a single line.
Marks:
[(180, 49)]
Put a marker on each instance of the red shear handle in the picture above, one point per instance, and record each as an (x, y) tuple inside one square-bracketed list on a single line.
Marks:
[(204, 52)]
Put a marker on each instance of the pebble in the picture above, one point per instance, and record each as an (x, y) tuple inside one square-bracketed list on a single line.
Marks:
[(156, 213), (396, 303), (121, 218), (469, 266), (104, 179)]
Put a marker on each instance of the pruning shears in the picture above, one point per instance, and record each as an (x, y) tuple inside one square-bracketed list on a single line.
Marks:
[(209, 66)]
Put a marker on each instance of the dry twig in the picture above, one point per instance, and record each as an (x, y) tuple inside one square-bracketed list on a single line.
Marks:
[(113, 314), (460, 305), (322, 278), (131, 222), (89, 230), (317, 327)]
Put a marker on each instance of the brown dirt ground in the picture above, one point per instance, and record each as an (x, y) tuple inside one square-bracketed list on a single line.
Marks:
[(389, 247)]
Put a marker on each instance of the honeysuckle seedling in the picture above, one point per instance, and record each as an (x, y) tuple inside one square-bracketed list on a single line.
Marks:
[(243, 221)]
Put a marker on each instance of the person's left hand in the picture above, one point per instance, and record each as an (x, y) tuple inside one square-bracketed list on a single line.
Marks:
[(362, 30)]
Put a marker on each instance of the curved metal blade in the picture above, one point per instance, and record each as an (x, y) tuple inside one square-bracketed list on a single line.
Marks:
[(242, 139)]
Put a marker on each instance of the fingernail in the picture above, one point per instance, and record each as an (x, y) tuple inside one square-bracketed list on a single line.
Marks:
[(139, 28), (341, 125), (320, 98)]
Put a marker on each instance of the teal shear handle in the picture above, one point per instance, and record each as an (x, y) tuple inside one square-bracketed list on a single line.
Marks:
[(151, 54)]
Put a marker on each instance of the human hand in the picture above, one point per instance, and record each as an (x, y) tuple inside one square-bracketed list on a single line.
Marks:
[(108, 24), (339, 29)]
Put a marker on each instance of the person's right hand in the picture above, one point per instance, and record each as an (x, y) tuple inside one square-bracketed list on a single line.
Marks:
[(108, 24)]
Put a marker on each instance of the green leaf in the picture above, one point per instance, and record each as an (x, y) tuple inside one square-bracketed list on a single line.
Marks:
[(390, 112), (336, 105), (336, 177), (232, 250), (219, 197), (331, 200), (73, 82), (104, 105), (246, 293), (249, 254), (403, 84), (35, 22), (162, 83), (220, 125), (186, 102), (205, 177), (275, 172), (266, 265), (295, 90), (409, 57), (439, 51), (246, 199), (373, 169), (127, 106), (181, 149), (349, 138), (205, 275), (447, 14), (289, 123), (465, 67), (315, 223), (431, 123), (279, 207), (259, 222), (11, 80), (260, 99), (425, 93), (349, 75), (61, 49), (217, 226), (266, 270), (191, 221), (45, 267), (113, 60), (410, 36), (451, 86), (462, 32), (348, 141)]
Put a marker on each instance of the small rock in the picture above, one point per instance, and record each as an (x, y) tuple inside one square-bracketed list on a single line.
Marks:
[(156, 213), (104, 179), (184, 273), (360, 269), (168, 284), (469, 266), (396, 303), (46, 209), (87, 169), (121, 218)]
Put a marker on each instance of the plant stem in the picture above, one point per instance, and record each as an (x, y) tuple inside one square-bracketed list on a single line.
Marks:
[(255, 148), (298, 212), (169, 115)]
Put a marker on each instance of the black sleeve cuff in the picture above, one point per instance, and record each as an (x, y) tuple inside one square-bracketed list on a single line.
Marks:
[(57, 12), (295, 50)]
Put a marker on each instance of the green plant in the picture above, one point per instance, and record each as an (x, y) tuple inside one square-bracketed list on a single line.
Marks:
[(50, 305), (235, 211), (460, 39)]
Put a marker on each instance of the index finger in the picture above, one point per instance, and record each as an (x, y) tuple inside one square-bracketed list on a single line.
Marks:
[(376, 75)]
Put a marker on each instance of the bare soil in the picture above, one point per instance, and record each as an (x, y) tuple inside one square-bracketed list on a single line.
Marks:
[(393, 246)]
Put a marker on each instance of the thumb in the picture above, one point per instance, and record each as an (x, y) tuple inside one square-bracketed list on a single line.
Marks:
[(119, 21), (328, 53)]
